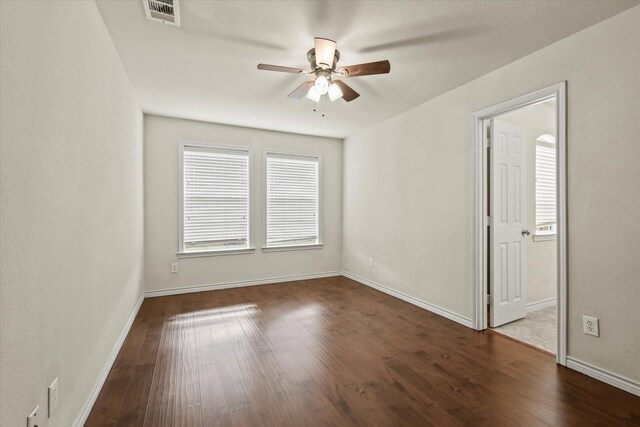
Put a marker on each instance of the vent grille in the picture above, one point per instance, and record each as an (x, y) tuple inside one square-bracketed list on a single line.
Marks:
[(163, 11)]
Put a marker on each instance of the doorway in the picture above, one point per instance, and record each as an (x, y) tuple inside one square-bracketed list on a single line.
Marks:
[(522, 233), (520, 219)]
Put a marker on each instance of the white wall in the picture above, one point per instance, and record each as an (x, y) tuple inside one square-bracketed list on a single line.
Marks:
[(161, 207), (71, 243), (408, 189), (541, 261)]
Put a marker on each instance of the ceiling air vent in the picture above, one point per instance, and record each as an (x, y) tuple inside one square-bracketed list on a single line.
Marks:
[(166, 11)]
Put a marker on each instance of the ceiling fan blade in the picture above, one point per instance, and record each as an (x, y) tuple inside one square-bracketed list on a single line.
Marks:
[(379, 67), (348, 94), (301, 91), (325, 51), (269, 67)]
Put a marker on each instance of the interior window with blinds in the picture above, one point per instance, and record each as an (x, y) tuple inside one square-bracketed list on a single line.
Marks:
[(215, 199), (546, 185), (292, 215)]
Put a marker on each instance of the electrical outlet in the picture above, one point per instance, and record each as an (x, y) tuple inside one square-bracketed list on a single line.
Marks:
[(174, 267), (591, 326), (53, 397), (33, 420), (370, 262)]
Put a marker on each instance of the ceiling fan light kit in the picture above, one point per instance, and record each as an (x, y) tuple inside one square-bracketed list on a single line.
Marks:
[(334, 92), (322, 83), (323, 60), (325, 50), (314, 94)]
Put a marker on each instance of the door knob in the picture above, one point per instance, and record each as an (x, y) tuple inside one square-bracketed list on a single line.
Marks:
[(525, 232)]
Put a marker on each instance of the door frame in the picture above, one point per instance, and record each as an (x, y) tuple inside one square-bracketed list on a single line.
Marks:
[(480, 206)]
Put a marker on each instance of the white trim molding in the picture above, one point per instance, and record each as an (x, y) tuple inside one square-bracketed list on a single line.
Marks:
[(605, 376), (88, 405), (543, 237), (292, 248), (480, 283), (238, 284), (539, 305), (220, 252), (411, 300)]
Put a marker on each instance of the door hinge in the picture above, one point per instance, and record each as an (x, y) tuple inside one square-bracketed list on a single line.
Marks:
[(489, 299), (487, 143), (488, 221)]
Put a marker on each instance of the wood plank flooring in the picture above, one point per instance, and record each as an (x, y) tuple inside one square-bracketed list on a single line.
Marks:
[(332, 352)]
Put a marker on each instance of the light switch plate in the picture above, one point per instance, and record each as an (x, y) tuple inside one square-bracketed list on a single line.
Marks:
[(53, 397), (33, 420)]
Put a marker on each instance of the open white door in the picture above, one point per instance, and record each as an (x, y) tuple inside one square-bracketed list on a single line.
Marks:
[(508, 226)]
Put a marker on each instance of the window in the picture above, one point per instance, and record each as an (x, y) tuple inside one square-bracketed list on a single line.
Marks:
[(214, 205), (292, 199), (546, 185)]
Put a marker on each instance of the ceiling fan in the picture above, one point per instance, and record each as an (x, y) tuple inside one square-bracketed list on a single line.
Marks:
[(323, 59)]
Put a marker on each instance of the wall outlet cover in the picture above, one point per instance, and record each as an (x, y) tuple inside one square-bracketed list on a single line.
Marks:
[(174, 267), (591, 326)]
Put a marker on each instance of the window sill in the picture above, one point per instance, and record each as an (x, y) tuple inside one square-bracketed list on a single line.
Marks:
[(544, 237), (292, 248), (218, 252)]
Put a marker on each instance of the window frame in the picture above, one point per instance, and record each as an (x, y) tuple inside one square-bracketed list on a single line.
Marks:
[(184, 144), (273, 248), (537, 234)]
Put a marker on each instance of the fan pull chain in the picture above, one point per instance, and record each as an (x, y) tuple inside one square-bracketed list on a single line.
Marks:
[(315, 109)]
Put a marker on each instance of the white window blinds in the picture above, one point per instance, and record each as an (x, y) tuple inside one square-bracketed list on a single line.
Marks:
[(546, 185), (215, 198), (292, 200)]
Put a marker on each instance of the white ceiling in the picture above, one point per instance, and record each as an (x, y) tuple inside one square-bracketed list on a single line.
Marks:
[(206, 69)]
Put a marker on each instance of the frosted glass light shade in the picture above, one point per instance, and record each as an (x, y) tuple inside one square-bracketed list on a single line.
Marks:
[(322, 84), (325, 51), (334, 92), (314, 94)]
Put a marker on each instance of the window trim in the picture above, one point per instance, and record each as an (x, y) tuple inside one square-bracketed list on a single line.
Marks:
[(544, 237), (278, 248), (182, 144), (293, 247), (215, 252)]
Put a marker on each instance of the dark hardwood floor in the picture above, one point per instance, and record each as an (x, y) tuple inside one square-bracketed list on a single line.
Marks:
[(332, 352)]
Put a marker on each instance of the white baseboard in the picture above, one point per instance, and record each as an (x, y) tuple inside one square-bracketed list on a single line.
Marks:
[(600, 374), (539, 305), (238, 284), (88, 405), (415, 301)]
